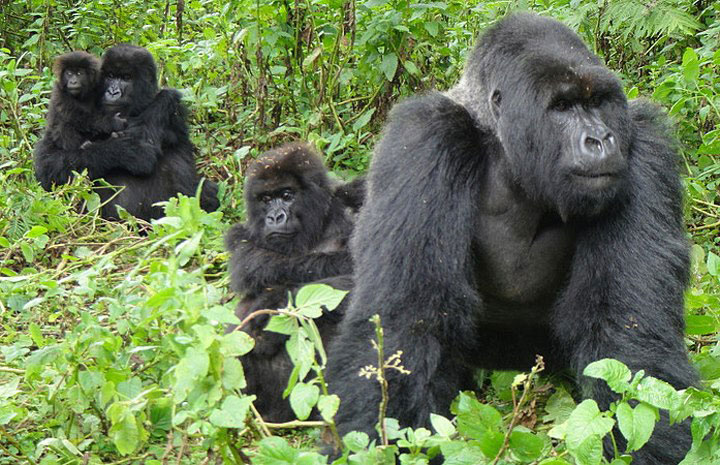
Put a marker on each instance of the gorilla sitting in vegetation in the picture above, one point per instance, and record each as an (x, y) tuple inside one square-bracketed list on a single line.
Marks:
[(530, 210), (296, 233), (73, 116), (151, 160)]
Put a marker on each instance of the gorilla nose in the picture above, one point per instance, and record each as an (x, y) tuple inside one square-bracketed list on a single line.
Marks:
[(276, 218), (597, 144)]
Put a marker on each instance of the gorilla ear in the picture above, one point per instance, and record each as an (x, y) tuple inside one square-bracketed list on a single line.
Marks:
[(495, 99)]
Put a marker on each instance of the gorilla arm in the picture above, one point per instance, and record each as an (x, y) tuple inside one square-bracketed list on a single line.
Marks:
[(54, 165), (430, 319), (255, 268)]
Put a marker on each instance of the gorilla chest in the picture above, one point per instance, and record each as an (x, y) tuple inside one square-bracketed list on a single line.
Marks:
[(522, 261)]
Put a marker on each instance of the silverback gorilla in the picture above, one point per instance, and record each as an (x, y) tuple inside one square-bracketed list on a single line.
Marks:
[(530, 210), (152, 160), (296, 233)]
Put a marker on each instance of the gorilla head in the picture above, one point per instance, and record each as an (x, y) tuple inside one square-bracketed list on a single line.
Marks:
[(77, 75), (129, 79), (560, 114), (288, 196)]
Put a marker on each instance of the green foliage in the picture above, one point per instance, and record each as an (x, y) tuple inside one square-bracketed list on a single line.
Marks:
[(112, 339)]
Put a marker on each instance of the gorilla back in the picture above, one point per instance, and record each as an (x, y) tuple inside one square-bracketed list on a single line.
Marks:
[(529, 210)]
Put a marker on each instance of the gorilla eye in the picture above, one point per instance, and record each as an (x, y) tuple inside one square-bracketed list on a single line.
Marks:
[(560, 105), (265, 198), (288, 196), (596, 100)]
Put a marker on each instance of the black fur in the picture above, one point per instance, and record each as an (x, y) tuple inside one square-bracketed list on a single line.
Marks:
[(265, 268), (153, 159), (495, 229), (73, 117)]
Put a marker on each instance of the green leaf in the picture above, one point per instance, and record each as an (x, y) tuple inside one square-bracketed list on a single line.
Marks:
[(490, 443), (475, 419), (27, 252), (588, 452), (233, 376), (275, 451), (526, 446), (553, 461), (232, 413), (636, 424), (690, 65), (442, 425), (36, 231), (585, 422), (356, 441), (236, 343), (462, 453), (328, 406), (303, 398), (125, 433), (432, 27), (697, 325), (615, 373), (657, 393), (559, 407), (389, 65), (283, 324), (192, 368), (363, 120), (312, 298), (713, 264)]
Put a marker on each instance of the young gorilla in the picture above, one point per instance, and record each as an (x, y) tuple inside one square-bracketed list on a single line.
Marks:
[(530, 210), (296, 233), (73, 116), (153, 159)]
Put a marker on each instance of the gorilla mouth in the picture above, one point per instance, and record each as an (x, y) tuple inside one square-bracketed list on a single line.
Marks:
[(282, 235)]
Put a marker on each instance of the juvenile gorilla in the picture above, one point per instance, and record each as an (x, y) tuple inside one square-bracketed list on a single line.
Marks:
[(296, 233), (530, 210), (73, 116), (152, 160)]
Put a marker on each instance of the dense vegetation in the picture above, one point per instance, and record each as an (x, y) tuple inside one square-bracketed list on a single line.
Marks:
[(111, 345)]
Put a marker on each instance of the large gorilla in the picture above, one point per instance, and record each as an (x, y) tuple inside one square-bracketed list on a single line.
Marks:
[(530, 210), (152, 160), (297, 230)]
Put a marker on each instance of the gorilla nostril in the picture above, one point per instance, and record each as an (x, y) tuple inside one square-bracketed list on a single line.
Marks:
[(593, 145)]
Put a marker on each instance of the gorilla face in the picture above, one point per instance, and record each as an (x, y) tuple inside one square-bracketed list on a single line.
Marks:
[(76, 81), (566, 134), (288, 198), (118, 91), (278, 211)]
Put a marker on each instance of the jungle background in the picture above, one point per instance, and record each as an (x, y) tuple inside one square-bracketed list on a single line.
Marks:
[(112, 347)]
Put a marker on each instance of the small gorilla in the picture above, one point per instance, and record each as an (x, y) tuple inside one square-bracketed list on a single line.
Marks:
[(73, 116), (296, 233), (530, 210), (152, 159)]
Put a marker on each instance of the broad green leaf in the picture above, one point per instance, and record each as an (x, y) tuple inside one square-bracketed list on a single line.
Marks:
[(475, 419), (657, 393), (588, 452), (275, 451), (554, 461), (526, 446), (236, 343), (636, 424), (615, 373), (586, 421), (303, 398), (363, 120), (233, 376), (283, 324), (559, 407), (356, 441), (389, 65), (690, 65), (442, 425), (191, 369), (462, 453), (125, 434), (232, 413), (310, 299), (490, 443), (328, 406)]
